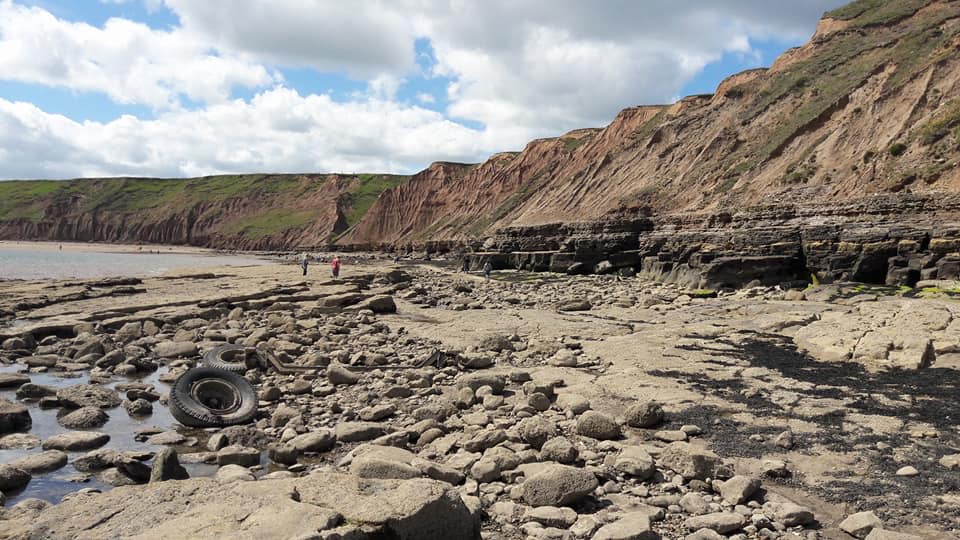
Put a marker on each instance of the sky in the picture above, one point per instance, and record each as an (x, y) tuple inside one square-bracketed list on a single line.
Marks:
[(175, 88)]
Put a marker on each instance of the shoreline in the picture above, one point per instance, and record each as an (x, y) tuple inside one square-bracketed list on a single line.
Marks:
[(103, 247)]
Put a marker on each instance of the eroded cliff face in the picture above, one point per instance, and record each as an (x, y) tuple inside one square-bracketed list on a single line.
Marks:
[(853, 139), (870, 105), (231, 212)]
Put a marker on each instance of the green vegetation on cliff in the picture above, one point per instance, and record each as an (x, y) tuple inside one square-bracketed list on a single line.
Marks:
[(368, 188), (247, 210)]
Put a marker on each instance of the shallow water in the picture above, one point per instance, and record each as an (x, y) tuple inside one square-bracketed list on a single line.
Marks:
[(24, 262), (121, 427)]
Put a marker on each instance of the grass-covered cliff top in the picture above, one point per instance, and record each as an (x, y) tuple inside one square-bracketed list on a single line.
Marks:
[(273, 203)]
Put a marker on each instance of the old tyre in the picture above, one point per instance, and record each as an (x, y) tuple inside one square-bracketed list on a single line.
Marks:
[(231, 358), (211, 397)]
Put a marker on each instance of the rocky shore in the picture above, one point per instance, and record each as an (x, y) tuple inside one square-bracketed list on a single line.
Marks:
[(405, 401), (899, 239)]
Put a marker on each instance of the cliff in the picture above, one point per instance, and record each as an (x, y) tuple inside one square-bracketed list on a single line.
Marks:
[(870, 105), (231, 212)]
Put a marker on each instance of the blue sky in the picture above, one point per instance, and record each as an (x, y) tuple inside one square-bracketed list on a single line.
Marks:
[(178, 87)]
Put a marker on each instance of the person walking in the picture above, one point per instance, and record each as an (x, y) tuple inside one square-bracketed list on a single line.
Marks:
[(304, 262), (465, 268), (335, 267), (487, 268)]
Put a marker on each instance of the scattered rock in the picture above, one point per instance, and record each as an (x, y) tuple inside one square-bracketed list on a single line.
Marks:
[(176, 349), (166, 466), (13, 417), (238, 455), (647, 414), (84, 418), (73, 441), (12, 478), (631, 526), (720, 522), (49, 460), (88, 395), (690, 461), (338, 374), (739, 489), (860, 524), (598, 426), (558, 485)]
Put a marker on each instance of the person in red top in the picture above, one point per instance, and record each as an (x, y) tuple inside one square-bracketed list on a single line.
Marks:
[(335, 266)]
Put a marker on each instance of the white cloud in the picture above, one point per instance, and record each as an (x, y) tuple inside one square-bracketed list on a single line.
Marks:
[(277, 131), (127, 61), (364, 38), (520, 69), (552, 65)]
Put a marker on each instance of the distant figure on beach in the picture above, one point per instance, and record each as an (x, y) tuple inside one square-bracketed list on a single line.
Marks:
[(303, 263), (487, 268), (61, 247), (466, 264), (335, 267)]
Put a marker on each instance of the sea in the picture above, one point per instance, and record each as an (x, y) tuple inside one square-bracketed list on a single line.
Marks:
[(25, 262)]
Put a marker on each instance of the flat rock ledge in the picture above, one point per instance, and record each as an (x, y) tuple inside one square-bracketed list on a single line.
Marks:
[(323, 504)]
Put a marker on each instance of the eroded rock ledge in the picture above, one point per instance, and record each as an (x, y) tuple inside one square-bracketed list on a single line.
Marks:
[(891, 239)]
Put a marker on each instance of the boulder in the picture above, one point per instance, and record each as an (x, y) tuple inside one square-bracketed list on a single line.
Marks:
[(383, 462), (631, 526), (138, 407), (320, 440), (789, 513), (552, 516), (166, 466), (721, 522), (558, 485), (474, 381), (284, 508), (238, 455), (176, 349), (860, 524), (635, 461), (883, 534), (739, 489), (88, 395), (378, 304), (341, 300), (536, 431), (84, 418), (49, 460), (13, 380), (76, 440), (339, 374), (574, 403), (12, 478), (359, 431), (951, 461), (233, 473), (575, 305), (559, 449), (598, 426), (13, 417), (690, 461), (647, 414)]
